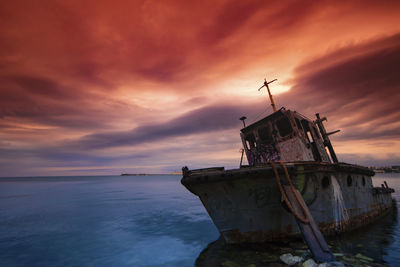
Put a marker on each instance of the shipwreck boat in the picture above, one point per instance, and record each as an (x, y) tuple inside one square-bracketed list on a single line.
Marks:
[(256, 202)]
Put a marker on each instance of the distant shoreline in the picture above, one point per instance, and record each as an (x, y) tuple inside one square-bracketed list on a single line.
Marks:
[(104, 175), (148, 174)]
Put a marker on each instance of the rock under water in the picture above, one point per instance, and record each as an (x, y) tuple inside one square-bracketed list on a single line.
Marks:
[(220, 254)]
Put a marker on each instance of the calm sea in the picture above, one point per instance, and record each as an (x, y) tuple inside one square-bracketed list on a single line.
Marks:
[(132, 221)]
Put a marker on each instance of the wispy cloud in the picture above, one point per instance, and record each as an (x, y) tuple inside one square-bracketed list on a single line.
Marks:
[(99, 84), (210, 119), (358, 87)]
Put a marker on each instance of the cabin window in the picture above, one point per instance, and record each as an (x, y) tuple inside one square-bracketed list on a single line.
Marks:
[(309, 136), (349, 180), (329, 154), (306, 129), (265, 134), (305, 125), (363, 181), (284, 126), (250, 141), (298, 123)]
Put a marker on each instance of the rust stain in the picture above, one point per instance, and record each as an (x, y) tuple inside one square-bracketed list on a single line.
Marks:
[(330, 228)]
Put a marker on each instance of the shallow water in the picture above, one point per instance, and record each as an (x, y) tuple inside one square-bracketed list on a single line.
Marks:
[(380, 240), (132, 221)]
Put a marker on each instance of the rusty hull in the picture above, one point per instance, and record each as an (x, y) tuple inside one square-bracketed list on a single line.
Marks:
[(247, 207)]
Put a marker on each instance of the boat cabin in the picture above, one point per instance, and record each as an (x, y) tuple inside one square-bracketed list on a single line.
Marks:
[(287, 136)]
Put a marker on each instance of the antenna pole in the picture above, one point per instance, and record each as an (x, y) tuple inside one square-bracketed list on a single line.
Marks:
[(269, 93), (243, 120), (270, 96), (327, 142)]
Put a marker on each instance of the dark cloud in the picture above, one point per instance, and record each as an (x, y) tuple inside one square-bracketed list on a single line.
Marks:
[(39, 86), (204, 120), (357, 87), (36, 99), (29, 96)]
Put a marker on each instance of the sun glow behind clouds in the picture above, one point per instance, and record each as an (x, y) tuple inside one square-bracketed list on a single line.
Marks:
[(249, 89), (77, 80)]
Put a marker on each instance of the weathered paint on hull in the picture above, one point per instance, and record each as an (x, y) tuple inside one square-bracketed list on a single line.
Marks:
[(246, 204)]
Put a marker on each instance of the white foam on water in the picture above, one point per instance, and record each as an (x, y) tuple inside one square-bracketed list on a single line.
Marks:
[(339, 207)]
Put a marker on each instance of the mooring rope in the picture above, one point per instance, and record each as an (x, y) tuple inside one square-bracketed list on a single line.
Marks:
[(303, 220)]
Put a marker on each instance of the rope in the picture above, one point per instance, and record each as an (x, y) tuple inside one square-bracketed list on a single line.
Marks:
[(253, 117), (259, 115), (303, 220)]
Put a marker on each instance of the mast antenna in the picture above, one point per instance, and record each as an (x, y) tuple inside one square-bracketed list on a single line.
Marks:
[(269, 92)]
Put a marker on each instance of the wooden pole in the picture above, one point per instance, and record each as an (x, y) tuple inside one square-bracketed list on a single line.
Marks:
[(270, 95)]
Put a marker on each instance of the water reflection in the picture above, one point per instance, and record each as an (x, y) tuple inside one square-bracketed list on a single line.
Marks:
[(373, 241)]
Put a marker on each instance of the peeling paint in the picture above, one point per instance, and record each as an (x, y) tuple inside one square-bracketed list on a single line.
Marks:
[(246, 205), (294, 150)]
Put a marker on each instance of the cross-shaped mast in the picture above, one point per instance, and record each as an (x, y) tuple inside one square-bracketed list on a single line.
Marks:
[(269, 92)]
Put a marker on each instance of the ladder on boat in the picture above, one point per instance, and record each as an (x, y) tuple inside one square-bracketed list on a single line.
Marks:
[(311, 234)]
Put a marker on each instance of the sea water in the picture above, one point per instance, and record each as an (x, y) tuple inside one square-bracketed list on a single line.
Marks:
[(132, 221)]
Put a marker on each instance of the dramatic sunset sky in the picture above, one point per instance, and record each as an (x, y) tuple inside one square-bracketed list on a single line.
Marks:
[(104, 87)]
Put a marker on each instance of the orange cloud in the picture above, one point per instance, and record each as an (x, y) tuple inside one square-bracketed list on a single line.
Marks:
[(71, 70)]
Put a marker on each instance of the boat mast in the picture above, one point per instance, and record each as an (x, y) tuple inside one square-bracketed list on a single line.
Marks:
[(269, 92), (325, 137)]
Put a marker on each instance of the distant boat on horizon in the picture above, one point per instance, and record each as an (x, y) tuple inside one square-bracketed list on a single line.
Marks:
[(152, 174)]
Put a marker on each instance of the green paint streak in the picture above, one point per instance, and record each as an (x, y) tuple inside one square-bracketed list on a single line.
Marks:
[(300, 181)]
